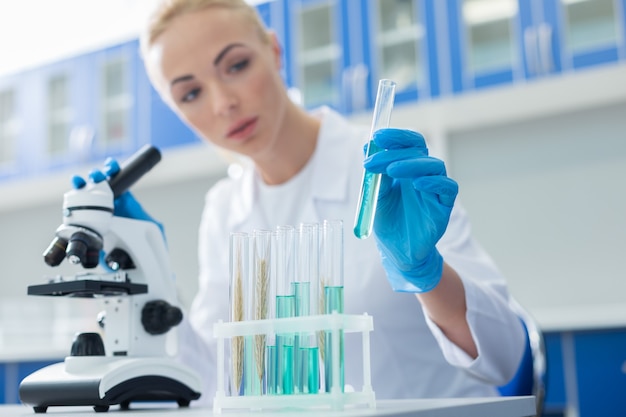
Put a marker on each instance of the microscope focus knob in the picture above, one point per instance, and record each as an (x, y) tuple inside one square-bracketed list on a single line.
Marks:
[(158, 317), (119, 259), (87, 344)]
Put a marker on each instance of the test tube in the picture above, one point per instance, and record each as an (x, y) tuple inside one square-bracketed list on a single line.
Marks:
[(258, 309), (283, 267), (370, 183), (331, 279), (306, 293), (239, 264), (271, 348)]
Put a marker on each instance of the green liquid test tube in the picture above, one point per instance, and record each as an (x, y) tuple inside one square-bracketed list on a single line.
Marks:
[(371, 182)]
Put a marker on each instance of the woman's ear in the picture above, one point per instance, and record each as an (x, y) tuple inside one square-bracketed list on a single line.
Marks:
[(277, 49)]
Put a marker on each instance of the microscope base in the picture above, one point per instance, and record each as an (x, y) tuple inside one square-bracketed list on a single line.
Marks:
[(102, 381)]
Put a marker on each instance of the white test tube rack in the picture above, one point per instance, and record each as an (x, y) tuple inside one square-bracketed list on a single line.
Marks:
[(336, 399)]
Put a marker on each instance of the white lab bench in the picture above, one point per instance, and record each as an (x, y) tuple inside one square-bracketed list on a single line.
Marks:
[(450, 407)]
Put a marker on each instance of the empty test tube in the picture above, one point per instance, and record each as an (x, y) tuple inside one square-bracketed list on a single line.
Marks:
[(370, 184)]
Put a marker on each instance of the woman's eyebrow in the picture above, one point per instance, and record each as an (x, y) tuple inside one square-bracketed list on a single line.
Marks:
[(181, 79), (216, 62), (219, 57)]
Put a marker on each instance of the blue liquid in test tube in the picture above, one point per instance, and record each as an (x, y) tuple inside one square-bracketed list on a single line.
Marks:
[(371, 182)]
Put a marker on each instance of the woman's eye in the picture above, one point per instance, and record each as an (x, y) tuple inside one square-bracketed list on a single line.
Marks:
[(190, 96), (239, 66)]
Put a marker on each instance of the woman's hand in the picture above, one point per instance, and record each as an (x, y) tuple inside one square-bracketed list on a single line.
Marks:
[(413, 209)]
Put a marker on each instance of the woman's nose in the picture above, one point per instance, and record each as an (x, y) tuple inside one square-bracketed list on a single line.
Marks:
[(224, 100)]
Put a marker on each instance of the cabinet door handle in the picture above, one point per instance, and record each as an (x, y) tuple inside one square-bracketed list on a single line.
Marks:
[(359, 87), (544, 37), (531, 50), (354, 87), (346, 90)]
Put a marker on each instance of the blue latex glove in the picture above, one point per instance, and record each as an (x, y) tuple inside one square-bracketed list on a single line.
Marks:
[(125, 205), (413, 209)]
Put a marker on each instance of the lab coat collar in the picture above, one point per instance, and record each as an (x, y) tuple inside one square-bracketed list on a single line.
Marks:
[(328, 179)]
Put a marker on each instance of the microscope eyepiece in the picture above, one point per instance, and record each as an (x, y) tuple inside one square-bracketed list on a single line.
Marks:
[(134, 168)]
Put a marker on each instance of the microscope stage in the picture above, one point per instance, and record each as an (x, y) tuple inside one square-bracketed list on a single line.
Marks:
[(87, 288)]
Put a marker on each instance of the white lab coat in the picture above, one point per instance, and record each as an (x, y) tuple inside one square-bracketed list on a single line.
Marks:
[(410, 357)]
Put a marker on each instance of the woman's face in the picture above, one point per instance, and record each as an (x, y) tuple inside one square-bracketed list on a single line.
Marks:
[(221, 78)]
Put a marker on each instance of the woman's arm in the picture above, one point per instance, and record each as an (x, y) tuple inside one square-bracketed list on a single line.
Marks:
[(446, 307)]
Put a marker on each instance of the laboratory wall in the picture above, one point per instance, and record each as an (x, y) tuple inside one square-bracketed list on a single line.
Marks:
[(547, 199)]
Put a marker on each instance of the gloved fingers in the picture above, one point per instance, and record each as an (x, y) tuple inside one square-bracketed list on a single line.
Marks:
[(390, 138), (78, 182), (446, 189), (416, 167), (97, 176), (111, 167), (412, 169), (380, 161)]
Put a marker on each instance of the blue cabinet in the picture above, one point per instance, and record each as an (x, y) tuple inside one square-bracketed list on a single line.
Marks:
[(337, 50), (317, 50), (601, 372), (100, 104), (402, 45), (555, 399), (12, 111), (586, 372), (82, 110), (505, 41), (585, 33), (87, 107)]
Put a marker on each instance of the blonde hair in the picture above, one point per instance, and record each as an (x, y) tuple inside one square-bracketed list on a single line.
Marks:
[(167, 10)]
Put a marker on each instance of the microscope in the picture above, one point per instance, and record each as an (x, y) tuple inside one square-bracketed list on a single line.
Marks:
[(130, 361)]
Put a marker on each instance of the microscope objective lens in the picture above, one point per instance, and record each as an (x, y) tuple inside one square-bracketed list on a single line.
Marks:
[(55, 253)]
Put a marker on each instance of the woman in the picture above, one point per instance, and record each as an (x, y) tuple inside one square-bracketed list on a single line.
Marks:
[(444, 327)]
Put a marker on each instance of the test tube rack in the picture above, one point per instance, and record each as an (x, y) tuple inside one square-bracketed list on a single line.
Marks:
[(336, 399)]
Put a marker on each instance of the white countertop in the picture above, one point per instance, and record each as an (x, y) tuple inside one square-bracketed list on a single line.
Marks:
[(465, 407), (581, 317)]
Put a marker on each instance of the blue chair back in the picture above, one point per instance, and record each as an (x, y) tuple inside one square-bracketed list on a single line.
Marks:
[(531, 374), (524, 380)]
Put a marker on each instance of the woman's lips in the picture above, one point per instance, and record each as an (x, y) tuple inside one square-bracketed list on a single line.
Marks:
[(243, 129)]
